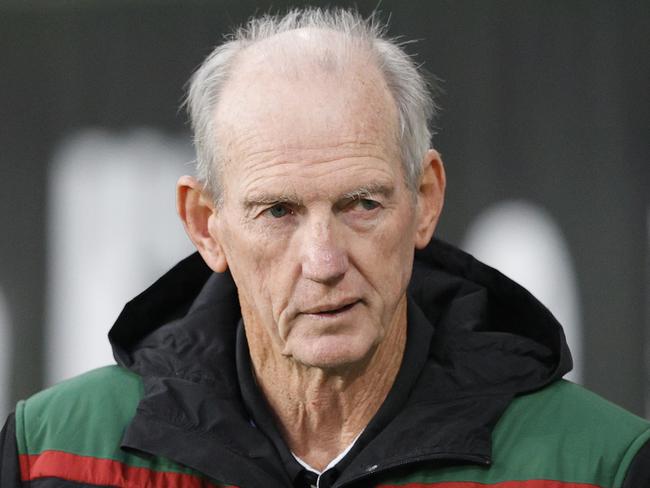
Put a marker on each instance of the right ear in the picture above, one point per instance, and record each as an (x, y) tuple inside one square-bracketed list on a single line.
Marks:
[(195, 209)]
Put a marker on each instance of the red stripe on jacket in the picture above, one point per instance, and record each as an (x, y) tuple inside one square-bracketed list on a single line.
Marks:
[(92, 470)]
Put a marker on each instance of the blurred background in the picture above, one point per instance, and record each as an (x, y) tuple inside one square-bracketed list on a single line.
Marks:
[(544, 131)]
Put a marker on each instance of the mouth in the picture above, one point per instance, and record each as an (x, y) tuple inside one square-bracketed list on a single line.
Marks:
[(331, 310)]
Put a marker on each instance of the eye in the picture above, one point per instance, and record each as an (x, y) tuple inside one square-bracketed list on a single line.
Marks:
[(368, 204), (279, 210)]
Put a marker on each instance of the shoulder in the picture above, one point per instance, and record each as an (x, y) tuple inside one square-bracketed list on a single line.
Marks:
[(565, 430), (570, 409), (98, 384), (73, 432), (101, 396), (85, 415)]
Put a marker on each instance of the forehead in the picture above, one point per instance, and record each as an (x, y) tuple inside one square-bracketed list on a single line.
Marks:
[(303, 91)]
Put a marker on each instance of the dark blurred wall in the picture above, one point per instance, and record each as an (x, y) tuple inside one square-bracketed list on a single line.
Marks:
[(543, 100)]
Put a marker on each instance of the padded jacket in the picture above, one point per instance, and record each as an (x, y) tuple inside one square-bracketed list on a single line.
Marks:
[(479, 400)]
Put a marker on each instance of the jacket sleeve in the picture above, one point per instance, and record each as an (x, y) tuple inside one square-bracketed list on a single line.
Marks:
[(9, 467), (639, 472)]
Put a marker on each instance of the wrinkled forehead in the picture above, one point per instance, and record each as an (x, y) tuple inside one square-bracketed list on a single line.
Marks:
[(304, 87)]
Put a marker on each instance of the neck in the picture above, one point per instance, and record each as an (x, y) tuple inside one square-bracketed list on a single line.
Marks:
[(320, 412)]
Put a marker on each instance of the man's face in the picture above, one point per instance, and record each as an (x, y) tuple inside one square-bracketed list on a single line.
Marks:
[(316, 222)]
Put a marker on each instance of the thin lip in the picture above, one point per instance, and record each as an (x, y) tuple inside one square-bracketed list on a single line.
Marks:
[(330, 307)]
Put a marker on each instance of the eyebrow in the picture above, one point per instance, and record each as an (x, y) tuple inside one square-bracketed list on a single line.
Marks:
[(262, 198), (367, 191)]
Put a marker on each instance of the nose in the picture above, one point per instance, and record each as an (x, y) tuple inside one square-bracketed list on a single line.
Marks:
[(324, 258)]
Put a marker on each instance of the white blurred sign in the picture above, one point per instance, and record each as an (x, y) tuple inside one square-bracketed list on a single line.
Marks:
[(523, 242), (113, 230)]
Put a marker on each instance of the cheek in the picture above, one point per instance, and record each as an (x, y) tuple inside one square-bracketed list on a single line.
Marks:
[(255, 261), (397, 248), (396, 239)]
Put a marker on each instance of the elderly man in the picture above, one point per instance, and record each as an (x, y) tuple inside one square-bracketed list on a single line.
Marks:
[(316, 348)]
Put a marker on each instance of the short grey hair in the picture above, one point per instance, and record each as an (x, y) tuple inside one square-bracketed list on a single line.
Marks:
[(404, 78)]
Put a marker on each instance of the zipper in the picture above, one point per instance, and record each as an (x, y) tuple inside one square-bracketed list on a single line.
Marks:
[(375, 469)]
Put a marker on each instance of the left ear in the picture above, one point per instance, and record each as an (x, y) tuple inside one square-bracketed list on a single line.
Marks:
[(430, 197)]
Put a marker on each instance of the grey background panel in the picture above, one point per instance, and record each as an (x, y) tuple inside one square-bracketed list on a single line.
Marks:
[(545, 101)]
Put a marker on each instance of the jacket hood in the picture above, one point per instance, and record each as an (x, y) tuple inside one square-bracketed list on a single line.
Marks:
[(487, 327), (490, 331)]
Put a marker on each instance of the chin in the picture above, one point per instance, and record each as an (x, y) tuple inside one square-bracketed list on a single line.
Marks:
[(334, 352)]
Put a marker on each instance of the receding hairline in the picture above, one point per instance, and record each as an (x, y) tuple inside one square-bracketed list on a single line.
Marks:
[(291, 55)]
